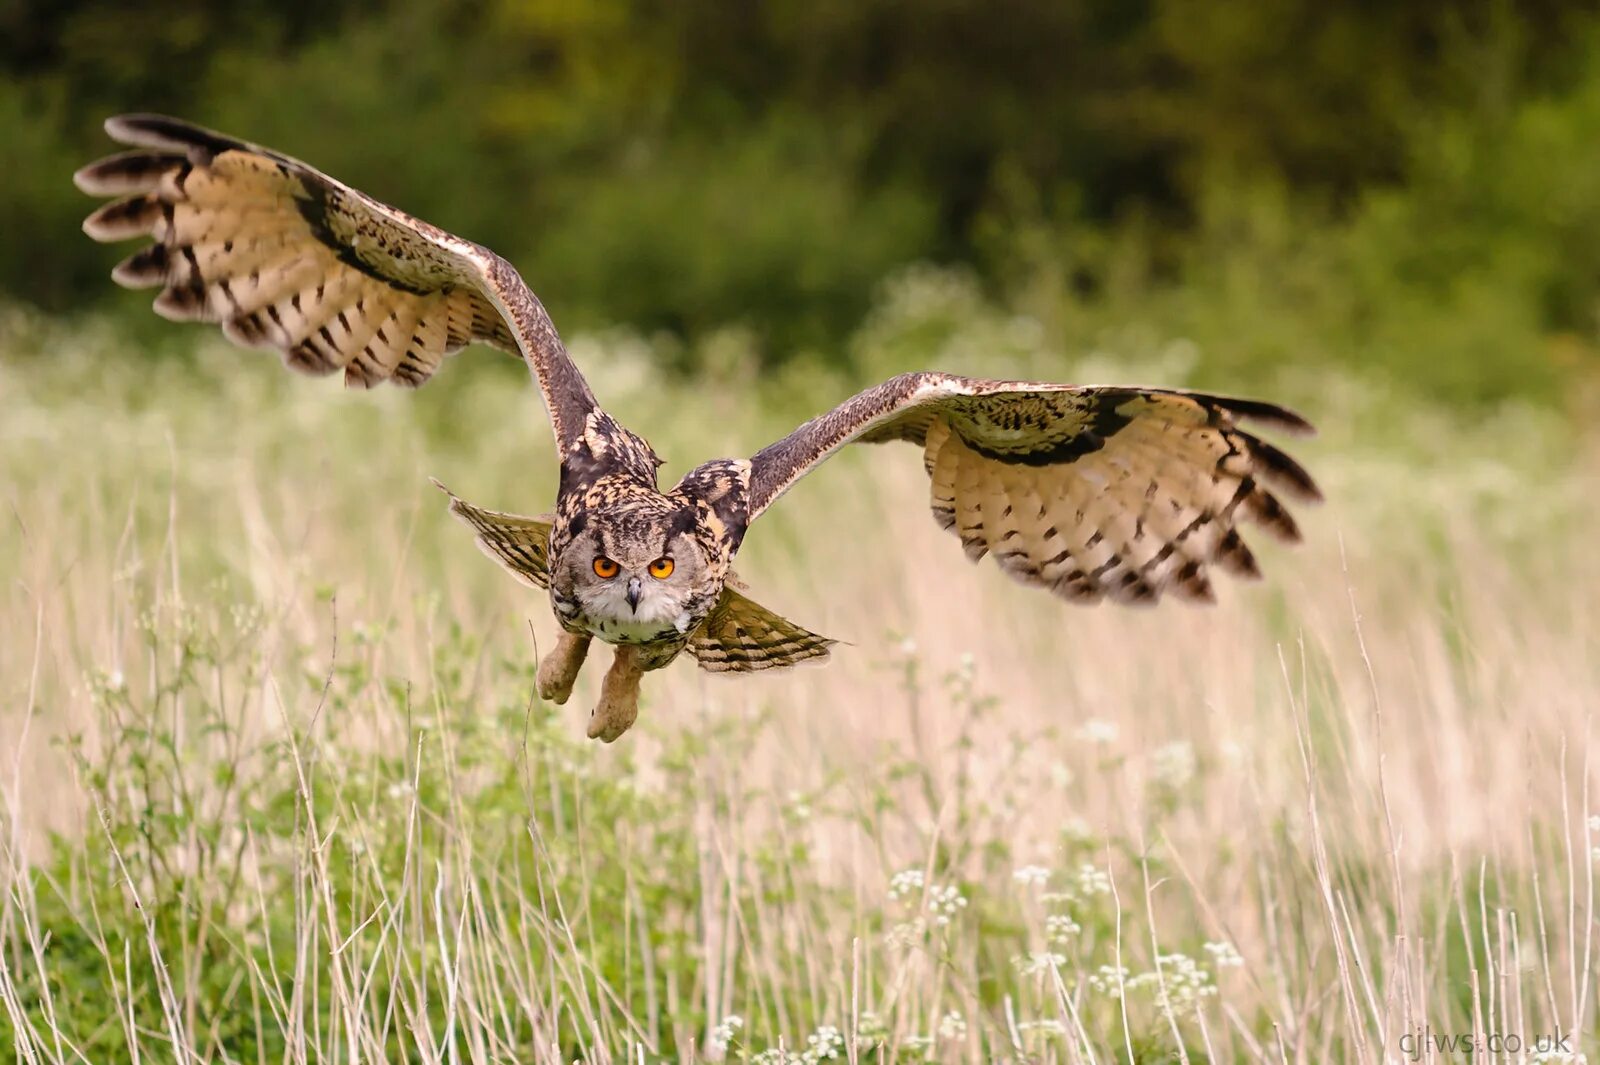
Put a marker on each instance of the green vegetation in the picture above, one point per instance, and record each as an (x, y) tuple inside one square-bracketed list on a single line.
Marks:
[(279, 788)]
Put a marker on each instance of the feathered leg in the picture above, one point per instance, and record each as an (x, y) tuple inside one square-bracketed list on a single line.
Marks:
[(560, 667), (619, 696)]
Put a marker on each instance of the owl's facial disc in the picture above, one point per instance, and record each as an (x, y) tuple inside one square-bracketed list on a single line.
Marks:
[(634, 584)]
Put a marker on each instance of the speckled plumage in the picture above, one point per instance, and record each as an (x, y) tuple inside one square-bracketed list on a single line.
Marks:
[(1089, 492)]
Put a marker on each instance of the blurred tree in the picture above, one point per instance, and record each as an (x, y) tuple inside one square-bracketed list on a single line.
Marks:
[(690, 164)]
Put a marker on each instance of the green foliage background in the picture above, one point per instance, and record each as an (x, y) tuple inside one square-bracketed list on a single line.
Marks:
[(1406, 189)]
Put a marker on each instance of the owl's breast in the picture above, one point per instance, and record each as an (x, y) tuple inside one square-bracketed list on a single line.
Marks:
[(614, 623), (633, 629)]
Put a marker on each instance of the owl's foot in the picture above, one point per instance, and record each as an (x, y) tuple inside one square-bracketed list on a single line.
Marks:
[(619, 697), (560, 667)]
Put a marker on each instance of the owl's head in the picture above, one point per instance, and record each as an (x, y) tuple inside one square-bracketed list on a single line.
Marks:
[(633, 573)]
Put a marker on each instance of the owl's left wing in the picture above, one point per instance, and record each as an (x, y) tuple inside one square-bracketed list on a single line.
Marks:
[(742, 636), (1086, 491)]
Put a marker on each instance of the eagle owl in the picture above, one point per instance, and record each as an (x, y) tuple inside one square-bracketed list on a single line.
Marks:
[(1088, 492)]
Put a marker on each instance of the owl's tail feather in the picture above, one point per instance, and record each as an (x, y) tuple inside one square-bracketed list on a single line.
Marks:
[(520, 545), (742, 636)]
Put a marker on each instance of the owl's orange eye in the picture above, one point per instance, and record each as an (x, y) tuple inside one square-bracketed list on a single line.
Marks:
[(661, 568), (605, 568)]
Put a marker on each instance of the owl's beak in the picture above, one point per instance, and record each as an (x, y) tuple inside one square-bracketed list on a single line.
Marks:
[(635, 586)]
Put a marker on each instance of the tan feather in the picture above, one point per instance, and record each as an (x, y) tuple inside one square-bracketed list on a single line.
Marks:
[(1121, 493), (285, 257)]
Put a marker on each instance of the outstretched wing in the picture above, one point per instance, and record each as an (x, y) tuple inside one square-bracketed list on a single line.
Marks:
[(285, 257), (1087, 491), (520, 545), (742, 636)]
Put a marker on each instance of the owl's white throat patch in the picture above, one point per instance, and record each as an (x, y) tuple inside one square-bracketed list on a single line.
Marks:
[(607, 613)]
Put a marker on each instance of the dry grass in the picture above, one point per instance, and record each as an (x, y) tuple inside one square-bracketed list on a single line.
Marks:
[(278, 714)]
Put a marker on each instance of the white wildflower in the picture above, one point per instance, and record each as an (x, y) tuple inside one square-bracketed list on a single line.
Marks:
[(399, 789), (1060, 928), (824, 1044), (952, 1026), (905, 883), (1093, 880), (1097, 731), (723, 1034), (908, 648), (799, 808), (1557, 1056), (1224, 955), (103, 685), (1038, 962), (1109, 980), (944, 902), (908, 933), (1060, 775), (1173, 766), (1178, 983), (870, 1027), (1031, 875), (247, 618), (775, 1056)]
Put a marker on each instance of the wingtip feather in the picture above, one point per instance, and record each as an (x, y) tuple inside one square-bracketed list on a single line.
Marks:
[(124, 219), (1271, 414), (138, 170), (1283, 471), (145, 268), (149, 130), (84, 179)]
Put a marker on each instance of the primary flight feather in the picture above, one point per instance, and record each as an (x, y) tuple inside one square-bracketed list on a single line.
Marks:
[(1088, 492)]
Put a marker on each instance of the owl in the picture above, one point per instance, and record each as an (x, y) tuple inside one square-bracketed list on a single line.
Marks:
[(1089, 492)]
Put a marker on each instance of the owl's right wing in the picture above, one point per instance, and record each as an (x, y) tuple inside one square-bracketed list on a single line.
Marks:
[(1085, 491), (285, 257), (521, 545)]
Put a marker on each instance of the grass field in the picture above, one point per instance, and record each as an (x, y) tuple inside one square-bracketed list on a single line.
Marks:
[(275, 786)]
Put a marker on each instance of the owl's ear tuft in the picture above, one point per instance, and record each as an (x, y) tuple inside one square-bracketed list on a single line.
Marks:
[(684, 521)]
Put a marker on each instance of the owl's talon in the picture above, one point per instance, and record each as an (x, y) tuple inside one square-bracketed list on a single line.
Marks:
[(618, 707), (559, 670)]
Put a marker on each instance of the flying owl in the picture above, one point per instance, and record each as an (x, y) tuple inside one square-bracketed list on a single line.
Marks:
[(1087, 492)]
